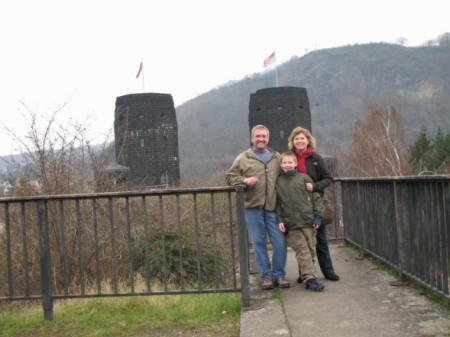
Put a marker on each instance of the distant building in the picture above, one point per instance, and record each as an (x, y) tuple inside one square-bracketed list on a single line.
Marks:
[(146, 139), (281, 109)]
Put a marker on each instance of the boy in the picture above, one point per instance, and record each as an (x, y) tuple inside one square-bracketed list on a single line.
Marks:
[(299, 214)]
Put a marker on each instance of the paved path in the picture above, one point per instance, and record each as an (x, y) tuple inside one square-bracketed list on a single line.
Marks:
[(361, 304)]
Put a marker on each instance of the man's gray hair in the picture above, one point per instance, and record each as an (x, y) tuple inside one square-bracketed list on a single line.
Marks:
[(259, 127)]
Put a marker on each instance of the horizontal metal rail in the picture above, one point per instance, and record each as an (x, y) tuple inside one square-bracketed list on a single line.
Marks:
[(158, 242), (187, 241), (403, 221)]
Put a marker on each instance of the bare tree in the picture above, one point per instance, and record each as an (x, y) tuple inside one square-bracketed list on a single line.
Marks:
[(378, 146), (60, 155), (59, 159)]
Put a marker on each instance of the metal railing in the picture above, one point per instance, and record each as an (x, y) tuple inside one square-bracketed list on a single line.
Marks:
[(403, 221), (186, 241), (174, 241)]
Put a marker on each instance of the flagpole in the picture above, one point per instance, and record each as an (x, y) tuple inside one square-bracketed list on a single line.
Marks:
[(141, 72), (276, 73), (143, 78)]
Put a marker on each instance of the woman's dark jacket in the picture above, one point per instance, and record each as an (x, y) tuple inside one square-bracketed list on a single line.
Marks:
[(318, 170)]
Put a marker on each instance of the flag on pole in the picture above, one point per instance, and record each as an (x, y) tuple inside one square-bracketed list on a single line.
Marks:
[(140, 70), (269, 60)]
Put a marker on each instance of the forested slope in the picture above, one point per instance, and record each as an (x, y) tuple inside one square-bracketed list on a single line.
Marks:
[(213, 127)]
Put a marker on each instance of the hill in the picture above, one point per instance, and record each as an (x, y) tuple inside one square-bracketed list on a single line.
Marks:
[(213, 127)]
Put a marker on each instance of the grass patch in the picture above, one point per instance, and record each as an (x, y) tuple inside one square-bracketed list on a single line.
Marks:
[(276, 294), (440, 299), (214, 314)]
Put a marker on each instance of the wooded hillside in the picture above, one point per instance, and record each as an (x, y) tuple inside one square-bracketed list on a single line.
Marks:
[(213, 127)]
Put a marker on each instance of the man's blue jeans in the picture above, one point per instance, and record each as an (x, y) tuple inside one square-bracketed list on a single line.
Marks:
[(260, 222)]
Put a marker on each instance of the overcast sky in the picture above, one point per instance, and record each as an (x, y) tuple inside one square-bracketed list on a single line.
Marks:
[(87, 53)]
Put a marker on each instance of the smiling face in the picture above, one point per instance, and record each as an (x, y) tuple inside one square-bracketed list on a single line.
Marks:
[(288, 162), (301, 142), (260, 139)]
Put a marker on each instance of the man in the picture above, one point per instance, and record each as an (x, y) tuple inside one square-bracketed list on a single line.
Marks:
[(258, 168)]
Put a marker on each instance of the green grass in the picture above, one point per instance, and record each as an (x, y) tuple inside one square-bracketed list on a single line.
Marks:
[(440, 299), (276, 295), (214, 314)]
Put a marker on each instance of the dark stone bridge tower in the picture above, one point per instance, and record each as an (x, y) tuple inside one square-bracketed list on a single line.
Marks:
[(281, 109), (146, 139)]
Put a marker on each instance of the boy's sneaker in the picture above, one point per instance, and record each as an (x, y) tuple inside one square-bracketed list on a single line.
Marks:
[(267, 283), (314, 285), (282, 282)]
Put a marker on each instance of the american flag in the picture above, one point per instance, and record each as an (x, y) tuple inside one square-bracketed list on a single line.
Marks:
[(269, 60)]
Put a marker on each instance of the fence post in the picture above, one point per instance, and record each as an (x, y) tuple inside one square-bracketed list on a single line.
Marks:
[(243, 246), (47, 301), (362, 221), (398, 207)]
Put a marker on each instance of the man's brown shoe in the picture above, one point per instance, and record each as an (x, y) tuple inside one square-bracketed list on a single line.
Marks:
[(282, 282), (267, 283)]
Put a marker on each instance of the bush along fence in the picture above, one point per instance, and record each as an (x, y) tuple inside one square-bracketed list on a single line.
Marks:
[(159, 242)]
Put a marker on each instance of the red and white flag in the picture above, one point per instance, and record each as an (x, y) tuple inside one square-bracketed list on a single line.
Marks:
[(269, 60), (141, 67)]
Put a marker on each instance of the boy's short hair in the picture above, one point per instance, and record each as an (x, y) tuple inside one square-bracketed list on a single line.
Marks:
[(288, 154)]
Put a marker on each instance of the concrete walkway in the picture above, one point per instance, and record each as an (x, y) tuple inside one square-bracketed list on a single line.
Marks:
[(361, 304)]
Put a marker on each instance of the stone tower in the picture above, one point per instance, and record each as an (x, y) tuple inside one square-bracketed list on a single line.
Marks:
[(146, 139), (281, 109)]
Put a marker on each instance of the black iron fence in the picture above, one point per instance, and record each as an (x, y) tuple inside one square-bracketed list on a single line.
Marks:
[(404, 221), (183, 241), (176, 241)]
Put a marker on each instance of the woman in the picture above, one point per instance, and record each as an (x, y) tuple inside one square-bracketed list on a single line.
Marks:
[(303, 144)]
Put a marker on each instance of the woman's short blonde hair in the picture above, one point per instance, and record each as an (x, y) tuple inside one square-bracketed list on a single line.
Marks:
[(298, 130)]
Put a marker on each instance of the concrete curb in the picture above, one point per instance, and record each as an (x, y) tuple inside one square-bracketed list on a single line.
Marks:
[(265, 316)]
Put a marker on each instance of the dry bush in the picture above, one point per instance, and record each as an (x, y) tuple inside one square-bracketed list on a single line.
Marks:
[(108, 240), (169, 240)]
